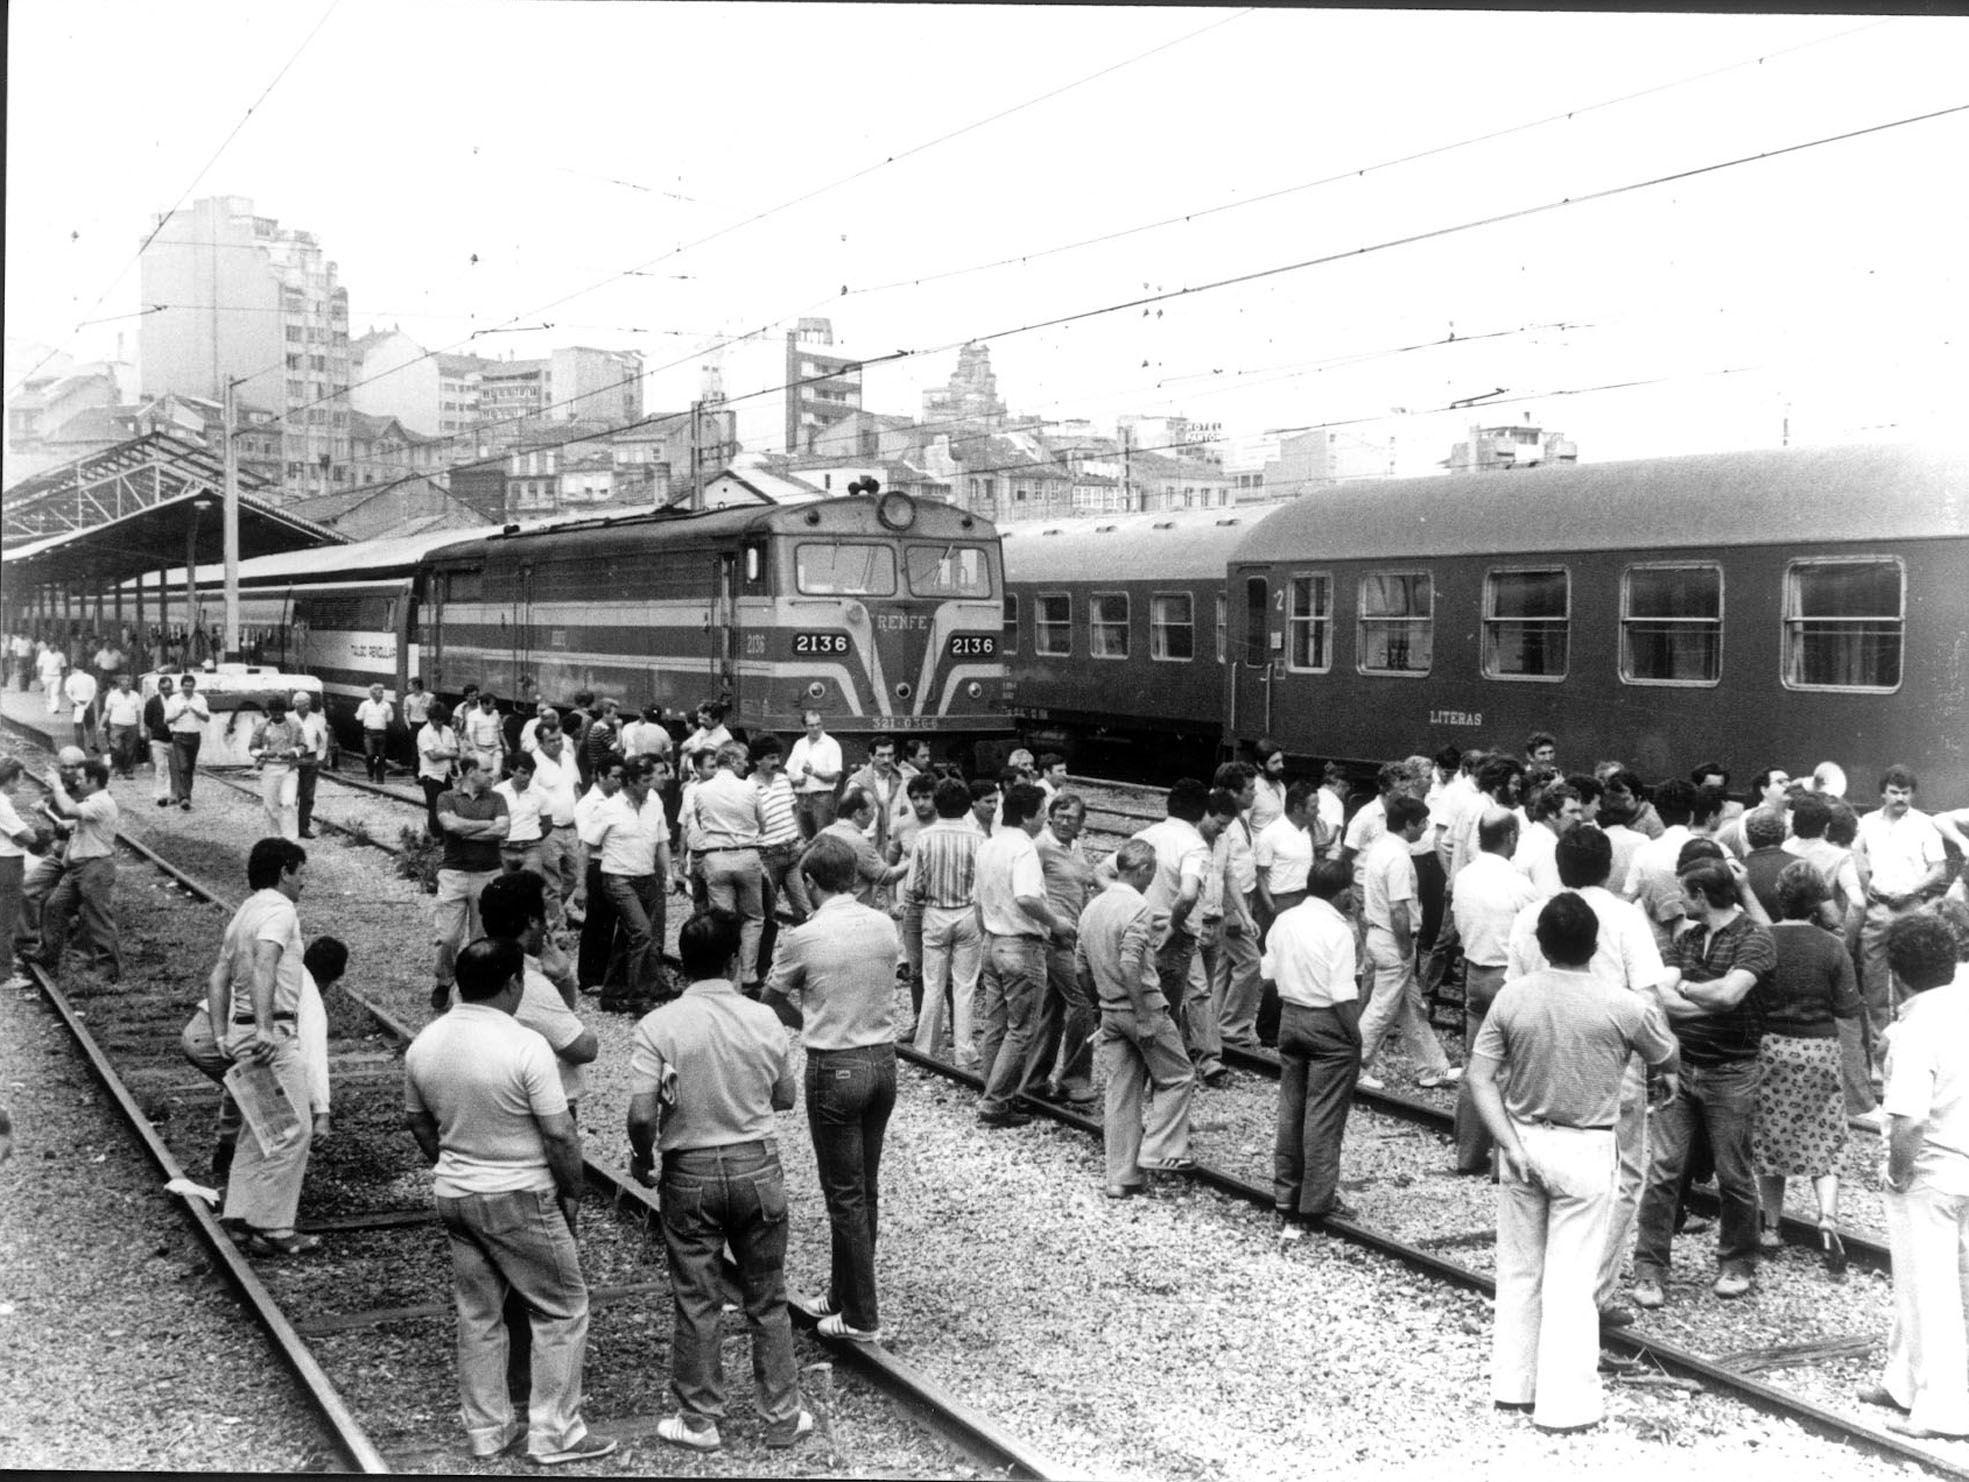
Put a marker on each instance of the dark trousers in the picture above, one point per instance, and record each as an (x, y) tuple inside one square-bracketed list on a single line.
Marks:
[(432, 786), (1431, 888), (850, 1094), (597, 931), (85, 889), (375, 747), (1062, 1050), (1473, 1139), (309, 774), (1319, 1054), (639, 921), (184, 763), (1721, 1101)]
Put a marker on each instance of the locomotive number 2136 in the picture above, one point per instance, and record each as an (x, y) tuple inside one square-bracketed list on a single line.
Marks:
[(820, 643)]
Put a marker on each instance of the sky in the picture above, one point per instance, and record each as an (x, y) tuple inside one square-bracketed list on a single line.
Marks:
[(1443, 205)]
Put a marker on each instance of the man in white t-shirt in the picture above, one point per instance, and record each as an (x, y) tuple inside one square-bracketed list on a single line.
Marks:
[(80, 690), (375, 715), (1625, 958), (1392, 914), (1904, 864), (1489, 894), (123, 716), (814, 768), (484, 1101), (1554, 812), (49, 667), (1282, 854)]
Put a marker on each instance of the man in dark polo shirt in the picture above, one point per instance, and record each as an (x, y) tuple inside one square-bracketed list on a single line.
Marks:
[(707, 1071), (1718, 975), (472, 819)]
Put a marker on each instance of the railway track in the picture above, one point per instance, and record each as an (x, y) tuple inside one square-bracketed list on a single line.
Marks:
[(1863, 1250), (1671, 1358), (384, 1246)]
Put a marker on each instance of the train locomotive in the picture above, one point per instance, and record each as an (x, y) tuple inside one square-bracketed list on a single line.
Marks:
[(1775, 607), (880, 611)]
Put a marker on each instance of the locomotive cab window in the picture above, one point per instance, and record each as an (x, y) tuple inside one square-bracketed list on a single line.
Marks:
[(1671, 623), (1527, 621), (845, 570), (948, 570), (1107, 625), (1052, 624), (755, 566), (1843, 621), (1309, 624), (1172, 627), (1397, 623), (1010, 641)]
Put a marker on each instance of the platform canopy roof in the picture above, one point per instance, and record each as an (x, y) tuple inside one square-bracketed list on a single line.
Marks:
[(129, 510)]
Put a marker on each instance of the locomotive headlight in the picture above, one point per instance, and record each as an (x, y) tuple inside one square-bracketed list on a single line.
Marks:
[(904, 689), (816, 690), (974, 690), (896, 511)]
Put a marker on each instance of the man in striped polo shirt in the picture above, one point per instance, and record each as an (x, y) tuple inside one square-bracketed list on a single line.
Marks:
[(942, 883)]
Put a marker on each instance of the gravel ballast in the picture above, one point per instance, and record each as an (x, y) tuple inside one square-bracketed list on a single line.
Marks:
[(1164, 1337)]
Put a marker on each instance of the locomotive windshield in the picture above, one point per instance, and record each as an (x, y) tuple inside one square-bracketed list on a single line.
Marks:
[(948, 570), (845, 570)]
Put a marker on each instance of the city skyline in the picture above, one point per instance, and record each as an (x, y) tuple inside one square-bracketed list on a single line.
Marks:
[(1820, 286)]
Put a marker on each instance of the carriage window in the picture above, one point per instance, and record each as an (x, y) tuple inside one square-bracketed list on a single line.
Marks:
[(1223, 626), (1172, 626), (845, 570), (1052, 624), (1010, 642), (1671, 624), (1527, 620), (1257, 620), (1397, 623), (462, 586), (948, 570), (1842, 623), (1107, 625), (1309, 624)]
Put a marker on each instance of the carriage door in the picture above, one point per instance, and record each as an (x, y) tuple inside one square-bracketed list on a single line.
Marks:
[(430, 647), (1256, 636), (724, 631)]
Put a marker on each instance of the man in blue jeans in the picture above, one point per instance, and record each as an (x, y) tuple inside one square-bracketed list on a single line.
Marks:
[(484, 1101), (706, 1073), (836, 976), (1718, 974)]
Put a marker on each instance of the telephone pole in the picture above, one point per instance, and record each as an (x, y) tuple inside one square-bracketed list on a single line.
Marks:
[(231, 528), (697, 461)]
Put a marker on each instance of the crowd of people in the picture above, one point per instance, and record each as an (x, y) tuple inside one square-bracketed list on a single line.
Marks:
[(1658, 984)]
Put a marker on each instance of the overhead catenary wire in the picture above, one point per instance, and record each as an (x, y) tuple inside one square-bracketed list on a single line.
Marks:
[(1385, 245), (801, 199), (1356, 172), (1351, 173)]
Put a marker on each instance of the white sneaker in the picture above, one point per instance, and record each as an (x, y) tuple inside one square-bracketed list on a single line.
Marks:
[(1448, 1078), (1367, 1082), (1870, 1121)]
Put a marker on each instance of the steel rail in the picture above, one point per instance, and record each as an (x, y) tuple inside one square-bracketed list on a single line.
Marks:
[(1864, 1251), (949, 1416), (1671, 1356), (350, 1441)]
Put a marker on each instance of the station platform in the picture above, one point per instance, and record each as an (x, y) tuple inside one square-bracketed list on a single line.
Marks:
[(26, 714)]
